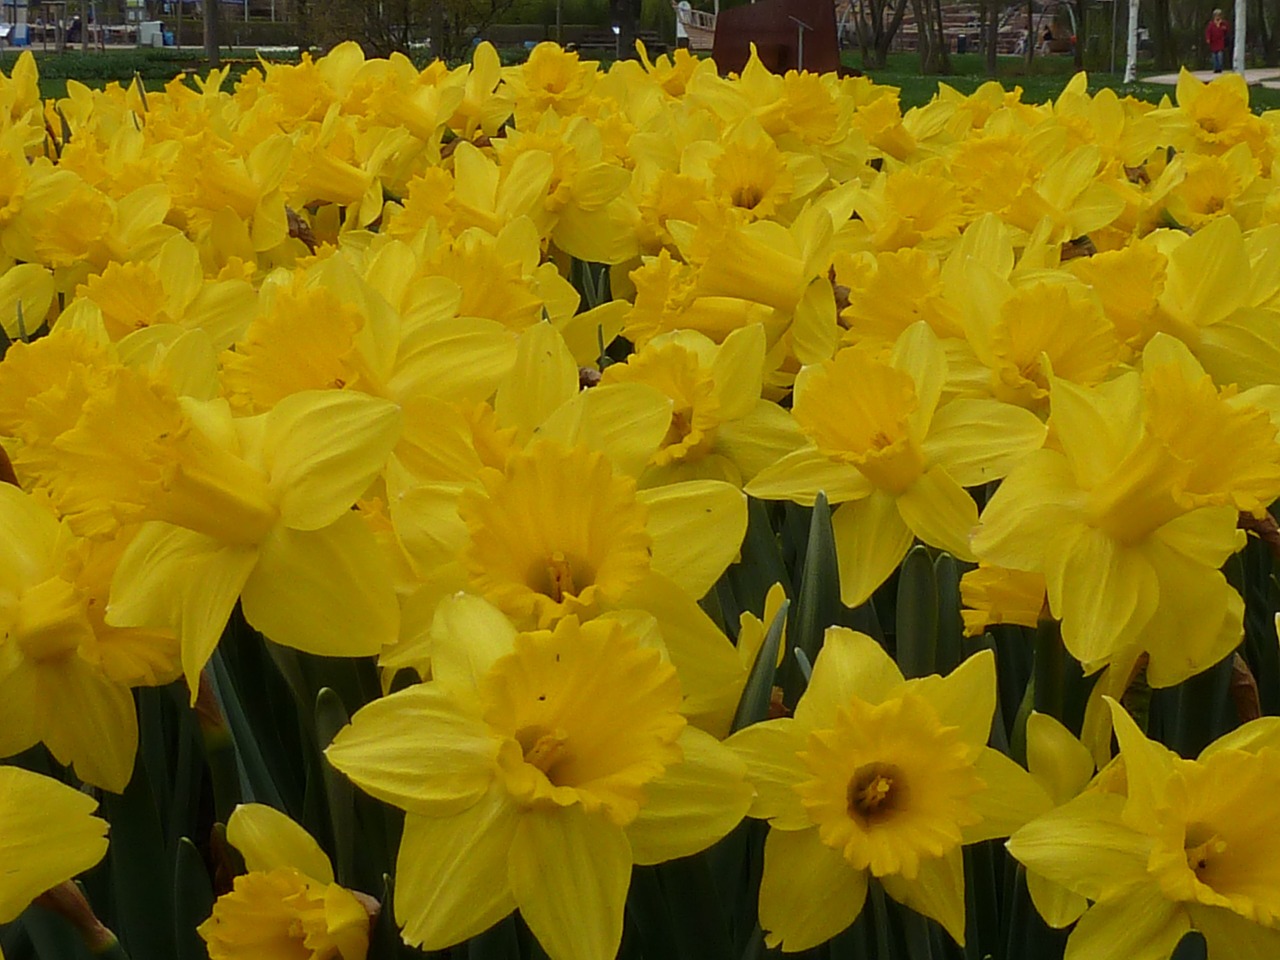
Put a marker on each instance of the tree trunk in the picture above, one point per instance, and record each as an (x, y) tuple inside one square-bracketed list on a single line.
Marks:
[(435, 27), (861, 26), (1082, 31), (1032, 39), (884, 34), (1262, 28), (211, 39), (991, 37), (1162, 36), (943, 41)]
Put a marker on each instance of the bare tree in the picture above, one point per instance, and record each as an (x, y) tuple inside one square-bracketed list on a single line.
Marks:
[(932, 41), (875, 36), (387, 26)]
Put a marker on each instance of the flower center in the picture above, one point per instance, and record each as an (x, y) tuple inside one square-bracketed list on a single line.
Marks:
[(559, 578), (544, 749), (559, 534), (587, 716), (875, 791), (1201, 849)]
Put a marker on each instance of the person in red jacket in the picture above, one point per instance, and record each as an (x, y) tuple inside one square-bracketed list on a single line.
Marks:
[(1215, 35)]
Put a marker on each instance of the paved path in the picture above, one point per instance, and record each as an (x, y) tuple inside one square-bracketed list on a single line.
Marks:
[(1265, 76)]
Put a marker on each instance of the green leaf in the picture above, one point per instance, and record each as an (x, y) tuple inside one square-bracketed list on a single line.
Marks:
[(330, 717), (818, 599), (946, 574), (917, 612), (256, 781), (1050, 670), (760, 565), (753, 705), (697, 917), (499, 942), (192, 900), (142, 881)]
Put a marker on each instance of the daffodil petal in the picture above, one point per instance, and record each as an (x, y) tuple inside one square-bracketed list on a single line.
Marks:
[(808, 892), (738, 370), (801, 475), (772, 753), (49, 836), (417, 750), (1228, 934), (1056, 758), (696, 528), (451, 873), (1011, 798), (936, 892), (187, 581), (624, 421), (326, 591), (99, 737), (569, 873), (1142, 925), (871, 540), (322, 449), (544, 376), (467, 635), (850, 664), (1085, 846), (977, 441), (759, 439), (1055, 903), (693, 804), (940, 512), (269, 840), (966, 697)]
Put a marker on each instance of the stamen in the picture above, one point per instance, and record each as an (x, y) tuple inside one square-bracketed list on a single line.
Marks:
[(874, 791), (560, 577)]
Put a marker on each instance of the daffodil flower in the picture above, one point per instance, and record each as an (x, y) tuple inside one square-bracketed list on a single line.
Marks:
[(877, 776), (259, 509), (1191, 846), (536, 769), (1130, 518), (65, 676), (893, 458), (288, 901), (48, 834)]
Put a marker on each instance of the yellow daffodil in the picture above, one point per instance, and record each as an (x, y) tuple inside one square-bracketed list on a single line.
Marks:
[(877, 776), (48, 834), (997, 595), (893, 458), (1131, 515), (288, 904), (536, 769), (64, 674), (1189, 846), (720, 427)]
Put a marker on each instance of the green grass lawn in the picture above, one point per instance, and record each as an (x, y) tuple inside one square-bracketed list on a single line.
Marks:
[(1040, 80), (155, 67)]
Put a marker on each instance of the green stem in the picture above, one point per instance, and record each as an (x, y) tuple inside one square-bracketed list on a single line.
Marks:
[(1050, 670)]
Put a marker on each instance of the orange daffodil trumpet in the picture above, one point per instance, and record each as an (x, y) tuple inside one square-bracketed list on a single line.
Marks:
[(535, 769), (878, 777)]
